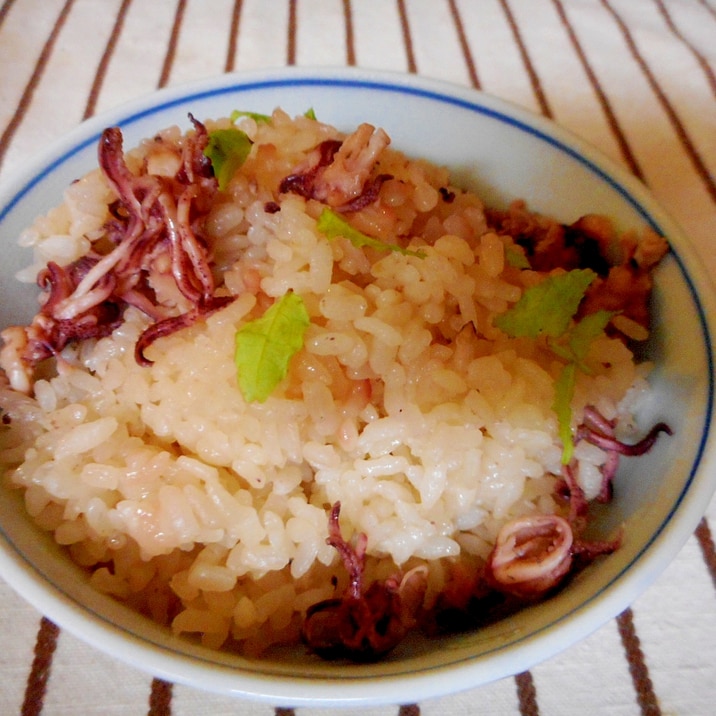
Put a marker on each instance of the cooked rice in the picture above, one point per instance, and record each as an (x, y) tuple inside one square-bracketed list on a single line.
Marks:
[(430, 426)]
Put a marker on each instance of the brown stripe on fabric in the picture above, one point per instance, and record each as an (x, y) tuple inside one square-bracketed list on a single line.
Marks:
[(350, 42), (526, 694), (160, 698), (645, 695), (291, 48), (407, 38), (464, 45), (45, 645), (409, 710), (616, 130), (4, 9), (706, 542), (106, 57), (708, 7), (34, 81), (172, 46), (703, 62), (666, 105), (529, 67), (233, 36)]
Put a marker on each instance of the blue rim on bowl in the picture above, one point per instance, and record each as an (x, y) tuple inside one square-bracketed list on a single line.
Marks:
[(542, 158)]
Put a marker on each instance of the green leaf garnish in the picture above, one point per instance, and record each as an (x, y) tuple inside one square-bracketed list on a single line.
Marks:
[(331, 225), (562, 406), (227, 149), (548, 307), (584, 332), (265, 346), (516, 258), (256, 116), (580, 337), (309, 113)]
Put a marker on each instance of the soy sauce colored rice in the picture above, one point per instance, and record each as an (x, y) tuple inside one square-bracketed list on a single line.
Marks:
[(432, 427)]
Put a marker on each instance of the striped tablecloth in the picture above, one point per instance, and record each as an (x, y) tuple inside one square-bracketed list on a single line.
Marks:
[(637, 78)]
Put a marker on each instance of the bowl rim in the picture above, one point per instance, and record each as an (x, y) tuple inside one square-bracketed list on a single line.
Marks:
[(344, 689)]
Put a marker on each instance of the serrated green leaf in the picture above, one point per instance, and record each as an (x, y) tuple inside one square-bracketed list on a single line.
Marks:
[(256, 116), (548, 307), (331, 225), (574, 345), (562, 406), (227, 149), (265, 346), (516, 258), (584, 332)]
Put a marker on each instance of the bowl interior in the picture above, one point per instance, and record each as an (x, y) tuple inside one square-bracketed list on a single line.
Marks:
[(504, 153)]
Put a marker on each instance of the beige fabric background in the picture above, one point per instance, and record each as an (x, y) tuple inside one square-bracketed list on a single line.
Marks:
[(637, 78)]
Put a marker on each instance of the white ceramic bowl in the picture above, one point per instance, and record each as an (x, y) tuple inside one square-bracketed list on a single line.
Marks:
[(503, 152)]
